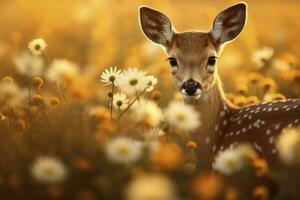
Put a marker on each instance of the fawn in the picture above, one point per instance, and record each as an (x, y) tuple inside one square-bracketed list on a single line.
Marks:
[(193, 60)]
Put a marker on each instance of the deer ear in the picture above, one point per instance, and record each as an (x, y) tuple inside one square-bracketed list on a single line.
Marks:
[(229, 23), (156, 26)]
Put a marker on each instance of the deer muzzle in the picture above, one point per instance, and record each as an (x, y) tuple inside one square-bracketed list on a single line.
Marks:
[(191, 88)]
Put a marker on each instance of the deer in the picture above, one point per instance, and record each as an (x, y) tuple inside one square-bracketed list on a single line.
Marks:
[(193, 56)]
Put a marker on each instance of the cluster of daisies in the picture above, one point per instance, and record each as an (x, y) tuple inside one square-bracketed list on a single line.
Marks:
[(131, 85), (264, 57), (132, 82), (36, 64), (126, 150), (125, 97)]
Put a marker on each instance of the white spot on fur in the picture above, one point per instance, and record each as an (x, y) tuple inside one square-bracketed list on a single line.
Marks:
[(222, 114), (207, 140), (216, 127), (271, 140), (214, 148), (295, 106), (257, 123)]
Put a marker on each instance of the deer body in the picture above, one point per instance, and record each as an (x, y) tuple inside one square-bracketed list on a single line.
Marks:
[(226, 126), (192, 57), (258, 125)]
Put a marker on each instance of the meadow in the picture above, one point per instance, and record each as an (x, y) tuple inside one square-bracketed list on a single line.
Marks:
[(88, 109)]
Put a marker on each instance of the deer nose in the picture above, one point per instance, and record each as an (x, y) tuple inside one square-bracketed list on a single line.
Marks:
[(190, 86)]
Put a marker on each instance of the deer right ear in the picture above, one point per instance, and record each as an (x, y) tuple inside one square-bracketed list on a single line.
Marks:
[(156, 26), (229, 23)]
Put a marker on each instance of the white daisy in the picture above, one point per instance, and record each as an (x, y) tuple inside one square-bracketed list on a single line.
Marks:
[(37, 46), (261, 56), (288, 145), (11, 95), (48, 170), (152, 81), (62, 70), (29, 65), (147, 111), (110, 75), (229, 161), (124, 150), (182, 116), (281, 64), (132, 81), (151, 186), (120, 101)]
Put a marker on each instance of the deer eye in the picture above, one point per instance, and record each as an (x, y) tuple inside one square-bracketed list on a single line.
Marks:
[(210, 67), (173, 62), (212, 60)]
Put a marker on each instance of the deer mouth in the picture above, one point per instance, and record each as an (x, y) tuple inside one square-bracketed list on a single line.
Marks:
[(195, 96)]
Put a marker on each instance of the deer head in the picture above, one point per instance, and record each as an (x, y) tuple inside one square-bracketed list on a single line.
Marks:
[(193, 54)]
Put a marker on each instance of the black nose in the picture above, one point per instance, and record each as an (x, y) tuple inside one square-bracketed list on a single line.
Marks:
[(190, 86)]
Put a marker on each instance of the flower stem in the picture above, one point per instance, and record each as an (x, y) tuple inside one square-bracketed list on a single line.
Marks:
[(47, 62), (61, 94), (193, 152), (127, 108), (112, 100)]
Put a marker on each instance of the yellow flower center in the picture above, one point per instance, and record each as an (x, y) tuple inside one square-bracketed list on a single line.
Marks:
[(180, 117), (37, 47), (133, 82), (49, 171), (112, 78), (231, 163), (123, 150), (119, 103)]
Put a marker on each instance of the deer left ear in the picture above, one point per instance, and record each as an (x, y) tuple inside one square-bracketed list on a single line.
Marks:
[(156, 26), (229, 23)]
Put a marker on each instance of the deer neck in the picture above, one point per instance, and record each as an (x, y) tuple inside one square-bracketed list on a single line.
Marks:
[(213, 109)]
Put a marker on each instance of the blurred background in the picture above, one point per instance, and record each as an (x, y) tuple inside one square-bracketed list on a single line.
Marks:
[(71, 122)]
